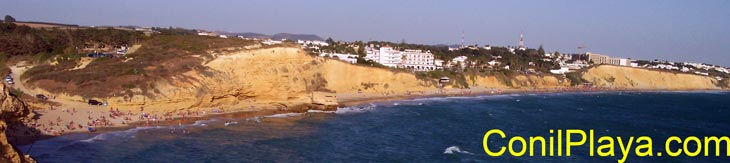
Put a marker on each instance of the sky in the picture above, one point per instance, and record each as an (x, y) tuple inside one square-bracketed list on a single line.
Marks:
[(675, 30)]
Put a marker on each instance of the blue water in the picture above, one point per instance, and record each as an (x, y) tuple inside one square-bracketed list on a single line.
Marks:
[(418, 130)]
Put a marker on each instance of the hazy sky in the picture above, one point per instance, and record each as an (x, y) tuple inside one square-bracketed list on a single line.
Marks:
[(685, 30)]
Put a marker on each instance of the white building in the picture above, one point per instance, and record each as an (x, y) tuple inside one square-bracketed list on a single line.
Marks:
[(604, 59), (418, 60), (351, 58), (562, 70), (439, 63), (271, 42), (461, 60), (312, 42), (389, 57), (412, 59)]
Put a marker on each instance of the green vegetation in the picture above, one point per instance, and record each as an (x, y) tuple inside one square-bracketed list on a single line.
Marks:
[(611, 79), (23, 40), (519, 61), (159, 57), (724, 83), (456, 79), (9, 19), (575, 78)]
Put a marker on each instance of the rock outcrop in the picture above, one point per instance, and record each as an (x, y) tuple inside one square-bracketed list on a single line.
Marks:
[(11, 110)]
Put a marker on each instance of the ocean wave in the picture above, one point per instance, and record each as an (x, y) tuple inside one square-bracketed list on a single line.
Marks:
[(119, 134), (256, 119), (283, 115), (319, 111), (203, 122), (456, 149), (355, 109)]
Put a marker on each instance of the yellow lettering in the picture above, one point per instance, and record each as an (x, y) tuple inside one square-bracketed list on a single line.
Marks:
[(569, 143), (717, 145), (699, 146), (669, 141), (624, 148), (608, 146), (647, 146), (532, 145), (511, 146), (484, 142)]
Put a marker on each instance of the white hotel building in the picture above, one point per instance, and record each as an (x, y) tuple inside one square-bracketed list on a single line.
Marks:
[(416, 60)]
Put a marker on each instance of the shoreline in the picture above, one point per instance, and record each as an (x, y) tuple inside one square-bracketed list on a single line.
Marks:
[(344, 102), (364, 100)]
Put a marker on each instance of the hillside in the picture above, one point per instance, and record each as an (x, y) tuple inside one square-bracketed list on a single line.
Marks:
[(280, 36), (637, 78)]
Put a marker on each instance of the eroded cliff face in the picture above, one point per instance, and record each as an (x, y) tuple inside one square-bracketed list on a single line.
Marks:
[(637, 78), (277, 76), (348, 78), (12, 110), (519, 82), (287, 76)]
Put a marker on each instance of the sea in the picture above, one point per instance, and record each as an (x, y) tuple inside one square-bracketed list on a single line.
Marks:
[(434, 129)]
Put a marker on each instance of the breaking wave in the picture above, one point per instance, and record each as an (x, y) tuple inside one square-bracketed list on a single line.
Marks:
[(356, 109), (119, 134), (455, 149), (283, 115)]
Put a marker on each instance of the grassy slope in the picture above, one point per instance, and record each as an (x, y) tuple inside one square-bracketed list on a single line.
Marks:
[(161, 56)]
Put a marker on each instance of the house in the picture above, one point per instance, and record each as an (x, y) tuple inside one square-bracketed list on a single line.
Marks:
[(350, 58), (271, 42), (494, 63), (460, 60), (439, 63), (562, 70)]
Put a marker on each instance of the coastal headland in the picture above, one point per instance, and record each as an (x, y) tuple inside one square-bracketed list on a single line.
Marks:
[(170, 80), (286, 79)]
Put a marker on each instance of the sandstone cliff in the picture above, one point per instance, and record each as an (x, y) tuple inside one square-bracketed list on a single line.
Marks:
[(638, 78), (11, 109), (519, 82), (286, 76)]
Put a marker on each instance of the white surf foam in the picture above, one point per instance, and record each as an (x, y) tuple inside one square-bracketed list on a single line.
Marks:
[(283, 115), (203, 122), (319, 111), (455, 149), (256, 119), (119, 134), (355, 109)]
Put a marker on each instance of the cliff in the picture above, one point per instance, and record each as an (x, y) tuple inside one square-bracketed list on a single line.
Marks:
[(285, 77), (638, 78), (519, 82), (12, 110)]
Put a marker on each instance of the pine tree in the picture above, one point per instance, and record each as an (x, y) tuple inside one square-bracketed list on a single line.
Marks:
[(9, 19)]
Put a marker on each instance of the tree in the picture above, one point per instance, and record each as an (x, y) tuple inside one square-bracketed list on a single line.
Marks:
[(540, 51), (9, 19), (361, 51), (330, 41)]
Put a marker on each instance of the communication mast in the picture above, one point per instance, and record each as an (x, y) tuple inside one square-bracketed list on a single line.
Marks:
[(580, 50)]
